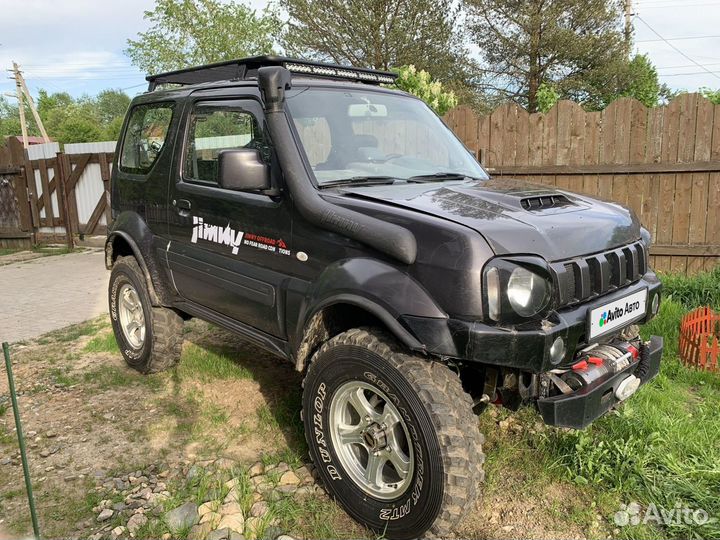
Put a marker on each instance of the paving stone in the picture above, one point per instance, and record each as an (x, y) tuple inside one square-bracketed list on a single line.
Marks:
[(219, 534), (200, 531), (182, 517), (235, 522), (136, 522), (230, 508)]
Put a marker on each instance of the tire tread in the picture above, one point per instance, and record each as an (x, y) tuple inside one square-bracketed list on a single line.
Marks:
[(450, 410)]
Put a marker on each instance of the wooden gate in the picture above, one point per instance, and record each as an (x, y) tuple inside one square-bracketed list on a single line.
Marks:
[(67, 170), (15, 219)]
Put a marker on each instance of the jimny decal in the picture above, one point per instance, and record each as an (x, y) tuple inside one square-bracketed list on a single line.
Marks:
[(228, 236)]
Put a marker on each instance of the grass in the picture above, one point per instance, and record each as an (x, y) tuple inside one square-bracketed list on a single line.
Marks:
[(73, 332), (102, 343), (693, 291), (207, 365)]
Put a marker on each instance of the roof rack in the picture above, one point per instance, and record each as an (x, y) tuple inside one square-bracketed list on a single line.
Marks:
[(246, 68)]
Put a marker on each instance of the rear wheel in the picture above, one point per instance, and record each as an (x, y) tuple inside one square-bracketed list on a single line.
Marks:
[(150, 338), (392, 435)]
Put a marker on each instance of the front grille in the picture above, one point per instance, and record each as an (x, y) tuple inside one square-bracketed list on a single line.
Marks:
[(588, 277)]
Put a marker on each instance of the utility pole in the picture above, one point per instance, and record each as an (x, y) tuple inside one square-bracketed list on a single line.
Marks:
[(628, 26), (22, 90), (21, 107)]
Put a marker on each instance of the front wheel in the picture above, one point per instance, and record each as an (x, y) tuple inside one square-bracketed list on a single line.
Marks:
[(392, 435), (149, 337)]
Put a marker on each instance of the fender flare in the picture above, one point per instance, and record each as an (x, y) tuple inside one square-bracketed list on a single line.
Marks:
[(160, 294), (387, 294)]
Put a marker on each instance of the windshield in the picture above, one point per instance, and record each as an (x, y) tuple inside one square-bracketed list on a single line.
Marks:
[(351, 135)]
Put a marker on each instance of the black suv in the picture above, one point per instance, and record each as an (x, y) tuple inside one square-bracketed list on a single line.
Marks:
[(341, 225)]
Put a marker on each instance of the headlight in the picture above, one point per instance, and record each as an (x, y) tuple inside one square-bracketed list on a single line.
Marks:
[(517, 289), (527, 292)]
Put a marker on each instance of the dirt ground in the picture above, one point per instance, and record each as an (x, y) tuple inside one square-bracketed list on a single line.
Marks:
[(87, 416)]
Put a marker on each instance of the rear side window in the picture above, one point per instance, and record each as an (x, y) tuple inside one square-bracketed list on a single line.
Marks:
[(145, 137), (213, 129)]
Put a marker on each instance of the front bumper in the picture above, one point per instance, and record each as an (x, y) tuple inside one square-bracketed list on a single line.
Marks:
[(526, 346), (579, 409)]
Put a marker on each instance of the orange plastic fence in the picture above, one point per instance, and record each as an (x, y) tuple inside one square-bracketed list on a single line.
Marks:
[(700, 339)]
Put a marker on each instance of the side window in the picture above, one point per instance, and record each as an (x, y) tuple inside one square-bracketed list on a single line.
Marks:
[(145, 137), (216, 128)]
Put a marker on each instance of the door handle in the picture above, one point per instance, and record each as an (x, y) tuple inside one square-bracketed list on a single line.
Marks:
[(182, 206)]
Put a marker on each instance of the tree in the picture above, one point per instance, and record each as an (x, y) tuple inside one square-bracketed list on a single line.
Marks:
[(193, 32), (636, 78), (547, 97), (380, 34), (420, 84), (9, 119), (111, 104), (525, 43), (712, 95)]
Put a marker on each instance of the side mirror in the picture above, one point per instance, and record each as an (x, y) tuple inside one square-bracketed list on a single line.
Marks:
[(243, 170)]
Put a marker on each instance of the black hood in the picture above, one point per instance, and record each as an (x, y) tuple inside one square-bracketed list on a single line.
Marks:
[(516, 217)]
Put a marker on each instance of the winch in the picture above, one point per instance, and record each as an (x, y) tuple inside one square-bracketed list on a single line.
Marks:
[(595, 362)]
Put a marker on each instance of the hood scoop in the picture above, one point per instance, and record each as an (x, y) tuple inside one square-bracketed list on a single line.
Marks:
[(545, 202)]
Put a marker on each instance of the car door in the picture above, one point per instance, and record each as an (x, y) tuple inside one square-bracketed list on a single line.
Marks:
[(228, 248)]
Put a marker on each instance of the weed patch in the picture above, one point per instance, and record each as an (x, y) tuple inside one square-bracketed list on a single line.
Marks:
[(702, 289), (207, 364), (102, 343)]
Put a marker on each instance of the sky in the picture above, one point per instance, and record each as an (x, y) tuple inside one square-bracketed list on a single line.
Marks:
[(77, 46)]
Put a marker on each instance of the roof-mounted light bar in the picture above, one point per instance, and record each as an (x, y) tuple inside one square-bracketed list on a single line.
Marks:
[(340, 73), (246, 68)]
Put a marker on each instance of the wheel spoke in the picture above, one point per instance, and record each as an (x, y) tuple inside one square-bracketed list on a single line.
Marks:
[(373, 471), (127, 302), (389, 417), (350, 434), (400, 461), (361, 405)]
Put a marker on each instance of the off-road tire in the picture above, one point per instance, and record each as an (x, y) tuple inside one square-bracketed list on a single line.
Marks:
[(435, 408), (162, 346)]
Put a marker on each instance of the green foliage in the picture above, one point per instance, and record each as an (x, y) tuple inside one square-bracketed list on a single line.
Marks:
[(712, 95), (10, 119), (419, 83), (105, 342), (636, 78), (693, 291), (642, 81), (207, 364), (547, 97), (185, 33), (70, 120), (381, 35), (565, 42)]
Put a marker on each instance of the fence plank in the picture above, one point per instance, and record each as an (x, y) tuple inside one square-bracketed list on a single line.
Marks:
[(46, 195)]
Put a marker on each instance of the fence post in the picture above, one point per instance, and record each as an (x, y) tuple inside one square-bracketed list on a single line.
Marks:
[(21, 440), (61, 176)]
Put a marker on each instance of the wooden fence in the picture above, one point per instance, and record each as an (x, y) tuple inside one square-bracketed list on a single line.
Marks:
[(54, 192), (664, 163)]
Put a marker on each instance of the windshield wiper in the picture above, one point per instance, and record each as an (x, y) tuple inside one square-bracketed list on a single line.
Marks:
[(438, 177), (360, 180)]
